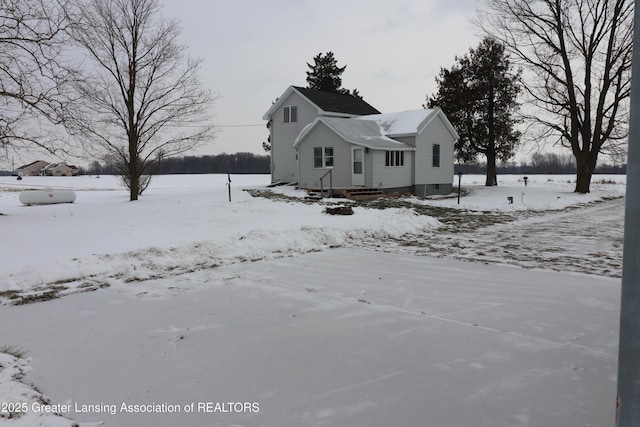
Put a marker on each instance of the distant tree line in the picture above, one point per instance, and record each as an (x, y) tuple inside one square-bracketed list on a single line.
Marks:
[(540, 163), (245, 163), (237, 163)]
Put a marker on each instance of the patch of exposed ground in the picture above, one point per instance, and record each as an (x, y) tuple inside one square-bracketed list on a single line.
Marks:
[(548, 240)]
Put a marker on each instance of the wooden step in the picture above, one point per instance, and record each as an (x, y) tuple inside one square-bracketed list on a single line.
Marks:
[(314, 195), (362, 193)]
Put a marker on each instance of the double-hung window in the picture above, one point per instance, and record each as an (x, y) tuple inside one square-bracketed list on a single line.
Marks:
[(290, 114), (322, 157), (436, 156)]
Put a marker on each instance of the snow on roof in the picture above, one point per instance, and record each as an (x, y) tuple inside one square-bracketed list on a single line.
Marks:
[(400, 123), (365, 133)]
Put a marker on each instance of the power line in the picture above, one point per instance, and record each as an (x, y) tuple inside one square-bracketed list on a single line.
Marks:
[(237, 126)]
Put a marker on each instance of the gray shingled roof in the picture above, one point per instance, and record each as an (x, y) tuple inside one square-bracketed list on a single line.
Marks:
[(337, 103)]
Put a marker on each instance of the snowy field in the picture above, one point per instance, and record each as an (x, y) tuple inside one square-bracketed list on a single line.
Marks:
[(264, 311)]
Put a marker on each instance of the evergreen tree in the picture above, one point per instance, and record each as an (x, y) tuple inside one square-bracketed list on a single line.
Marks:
[(478, 94), (325, 75)]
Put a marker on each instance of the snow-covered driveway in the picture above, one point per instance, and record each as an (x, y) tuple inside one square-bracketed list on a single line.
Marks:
[(586, 239), (343, 337)]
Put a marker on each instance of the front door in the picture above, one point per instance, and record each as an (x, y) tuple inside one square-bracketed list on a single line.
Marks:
[(357, 166)]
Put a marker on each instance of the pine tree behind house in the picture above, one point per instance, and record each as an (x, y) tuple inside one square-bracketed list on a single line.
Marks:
[(325, 75), (478, 94)]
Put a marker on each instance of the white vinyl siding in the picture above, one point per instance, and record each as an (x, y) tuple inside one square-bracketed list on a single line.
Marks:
[(339, 157), (426, 173), (284, 165), (390, 177)]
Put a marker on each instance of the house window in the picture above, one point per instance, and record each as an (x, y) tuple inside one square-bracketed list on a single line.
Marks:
[(436, 156), (322, 157), (357, 160), (394, 158), (291, 114)]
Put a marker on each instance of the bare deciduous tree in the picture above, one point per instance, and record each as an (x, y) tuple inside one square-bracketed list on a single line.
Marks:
[(143, 100), (34, 75), (577, 60)]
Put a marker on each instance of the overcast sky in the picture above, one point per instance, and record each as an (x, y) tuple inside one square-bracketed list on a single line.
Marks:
[(254, 49)]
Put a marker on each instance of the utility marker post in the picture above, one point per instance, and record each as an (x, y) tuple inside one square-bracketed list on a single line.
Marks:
[(229, 185), (628, 401)]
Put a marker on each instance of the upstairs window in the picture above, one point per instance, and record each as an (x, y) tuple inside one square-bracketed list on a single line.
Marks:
[(394, 158), (291, 114), (436, 156), (322, 157)]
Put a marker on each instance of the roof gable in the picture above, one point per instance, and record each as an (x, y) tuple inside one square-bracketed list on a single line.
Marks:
[(438, 113), (326, 102), (40, 163)]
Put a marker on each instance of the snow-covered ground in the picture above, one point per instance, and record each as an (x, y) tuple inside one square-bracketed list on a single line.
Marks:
[(309, 319)]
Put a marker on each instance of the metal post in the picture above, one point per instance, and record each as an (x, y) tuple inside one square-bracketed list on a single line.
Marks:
[(628, 401), (331, 183), (459, 187)]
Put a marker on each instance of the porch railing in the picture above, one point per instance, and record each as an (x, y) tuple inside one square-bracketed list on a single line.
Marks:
[(330, 173)]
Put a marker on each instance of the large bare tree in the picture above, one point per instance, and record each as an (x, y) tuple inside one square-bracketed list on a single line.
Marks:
[(577, 60), (34, 73), (142, 99)]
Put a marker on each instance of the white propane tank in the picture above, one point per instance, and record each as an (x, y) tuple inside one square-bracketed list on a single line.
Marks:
[(46, 197)]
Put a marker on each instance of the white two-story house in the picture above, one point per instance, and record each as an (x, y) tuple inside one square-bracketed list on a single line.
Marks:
[(408, 151), (295, 109)]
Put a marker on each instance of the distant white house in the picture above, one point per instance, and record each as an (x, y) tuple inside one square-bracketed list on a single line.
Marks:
[(42, 168), (60, 169), (32, 169), (409, 151)]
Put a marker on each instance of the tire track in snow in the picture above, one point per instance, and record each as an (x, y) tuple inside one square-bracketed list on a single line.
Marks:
[(587, 240)]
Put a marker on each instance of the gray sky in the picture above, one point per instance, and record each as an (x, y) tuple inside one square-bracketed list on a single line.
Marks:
[(253, 50)]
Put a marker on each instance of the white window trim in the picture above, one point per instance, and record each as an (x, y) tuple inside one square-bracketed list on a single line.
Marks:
[(287, 116), (396, 160), (324, 157)]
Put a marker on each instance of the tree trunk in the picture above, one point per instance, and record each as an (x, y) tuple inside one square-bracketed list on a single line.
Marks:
[(134, 176), (492, 176), (585, 165), (134, 188)]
